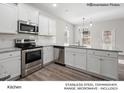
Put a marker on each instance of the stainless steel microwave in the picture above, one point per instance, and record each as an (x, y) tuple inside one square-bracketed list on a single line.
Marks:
[(27, 27)]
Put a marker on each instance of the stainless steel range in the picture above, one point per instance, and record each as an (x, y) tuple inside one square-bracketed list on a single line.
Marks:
[(31, 56)]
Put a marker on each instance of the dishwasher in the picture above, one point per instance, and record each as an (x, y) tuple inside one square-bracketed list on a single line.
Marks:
[(59, 55)]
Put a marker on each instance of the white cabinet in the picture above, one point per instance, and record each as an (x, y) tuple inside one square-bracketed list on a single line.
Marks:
[(109, 67), (75, 58), (28, 13), (43, 25), (103, 63), (47, 26), (47, 54), (100, 63), (8, 18), (52, 27), (93, 64), (10, 64), (80, 60), (69, 58)]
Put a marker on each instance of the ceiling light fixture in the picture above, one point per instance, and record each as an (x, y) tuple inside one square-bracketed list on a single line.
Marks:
[(54, 5), (86, 24)]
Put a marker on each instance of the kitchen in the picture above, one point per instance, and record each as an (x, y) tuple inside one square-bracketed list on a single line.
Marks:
[(45, 41)]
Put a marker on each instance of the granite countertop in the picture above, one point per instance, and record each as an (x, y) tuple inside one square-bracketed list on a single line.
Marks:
[(96, 48), (10, 49), (84, 47)]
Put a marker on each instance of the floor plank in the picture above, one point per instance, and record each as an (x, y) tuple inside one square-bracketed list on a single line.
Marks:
[(55, 72)]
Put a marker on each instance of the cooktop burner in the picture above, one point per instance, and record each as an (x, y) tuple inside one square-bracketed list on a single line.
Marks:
[(25, 44)]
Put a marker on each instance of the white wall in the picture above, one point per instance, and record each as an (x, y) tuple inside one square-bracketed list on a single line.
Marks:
[(8, 40), (116, 25)]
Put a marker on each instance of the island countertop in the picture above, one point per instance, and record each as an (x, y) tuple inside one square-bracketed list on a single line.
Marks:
[(96, 48)]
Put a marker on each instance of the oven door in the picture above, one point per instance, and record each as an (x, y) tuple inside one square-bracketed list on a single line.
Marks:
[(31, 57)]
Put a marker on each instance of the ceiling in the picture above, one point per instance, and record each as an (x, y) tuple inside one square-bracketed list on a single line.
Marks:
[(73, 12)]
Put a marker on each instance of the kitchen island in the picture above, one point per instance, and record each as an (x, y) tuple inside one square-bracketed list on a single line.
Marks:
[(99, 62)]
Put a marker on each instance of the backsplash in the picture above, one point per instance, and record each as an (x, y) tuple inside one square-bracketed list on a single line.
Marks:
[(8, 40)]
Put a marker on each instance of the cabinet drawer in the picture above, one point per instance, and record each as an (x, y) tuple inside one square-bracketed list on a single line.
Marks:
[(102, 53), (76, 50), (10, 54)]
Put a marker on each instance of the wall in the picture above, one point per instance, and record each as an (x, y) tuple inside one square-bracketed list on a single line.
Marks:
[(116, 26), (60, 32), (8, 40)]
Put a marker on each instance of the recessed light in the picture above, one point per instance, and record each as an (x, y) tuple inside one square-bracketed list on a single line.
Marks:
[(54, 5)]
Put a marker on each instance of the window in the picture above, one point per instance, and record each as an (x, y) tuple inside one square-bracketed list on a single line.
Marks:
[(107, 39), (85, 37), (67, 35)]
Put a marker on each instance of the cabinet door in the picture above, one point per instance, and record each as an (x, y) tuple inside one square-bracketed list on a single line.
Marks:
[(69, 58), (32, 15), (47, 54), (8, 18), (50, 54), (22, 12), (93, 64), (52, 27), (109, 67), (28, 13), (43, 25), (80, 61), (56, 54), (12, 66)]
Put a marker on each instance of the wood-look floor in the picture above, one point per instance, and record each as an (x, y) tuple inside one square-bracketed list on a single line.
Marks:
[(55, 72)]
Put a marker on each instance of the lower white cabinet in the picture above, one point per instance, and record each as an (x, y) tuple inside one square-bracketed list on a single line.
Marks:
[(69, 58), (80, 61), (75, 58), (93, 64), (11, 65), (47, 54), (101, 63), (109, 67)]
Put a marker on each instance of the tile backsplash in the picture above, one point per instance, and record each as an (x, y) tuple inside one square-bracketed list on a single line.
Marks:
[(8, 40)]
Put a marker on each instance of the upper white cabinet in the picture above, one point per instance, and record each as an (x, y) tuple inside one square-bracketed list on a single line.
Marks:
[(28, 13), (52, 27), (8, 18), (43, 25), (47, 26)]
